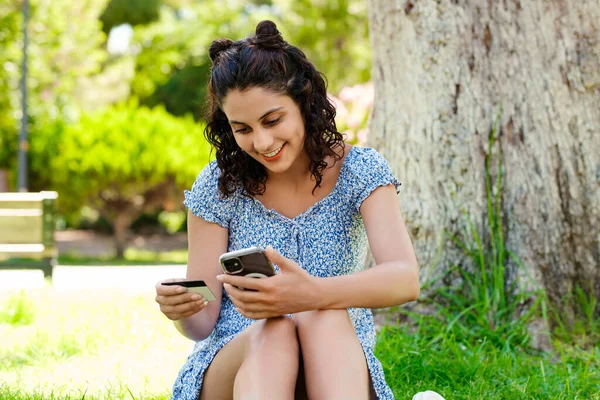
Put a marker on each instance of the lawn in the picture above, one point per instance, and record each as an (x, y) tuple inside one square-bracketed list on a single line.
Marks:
[(100, 344), (109, 344)]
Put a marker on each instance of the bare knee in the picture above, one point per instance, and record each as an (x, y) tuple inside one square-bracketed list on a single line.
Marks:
[(318, 321), (276, 333), (334, 361)]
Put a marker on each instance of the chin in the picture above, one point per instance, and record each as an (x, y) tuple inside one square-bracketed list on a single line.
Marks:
[(276, 168)]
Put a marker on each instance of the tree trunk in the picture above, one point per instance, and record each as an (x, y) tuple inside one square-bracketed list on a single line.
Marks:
[(443, 70), (4, 174), (121, 224)]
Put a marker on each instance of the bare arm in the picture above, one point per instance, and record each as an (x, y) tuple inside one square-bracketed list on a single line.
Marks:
[(395, 278), (206, 242), (393, 281)]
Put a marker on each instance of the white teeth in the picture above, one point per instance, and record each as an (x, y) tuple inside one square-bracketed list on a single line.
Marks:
[(273, 153)]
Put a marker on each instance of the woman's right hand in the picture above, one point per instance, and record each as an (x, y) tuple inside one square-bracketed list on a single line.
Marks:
[(176, 302)]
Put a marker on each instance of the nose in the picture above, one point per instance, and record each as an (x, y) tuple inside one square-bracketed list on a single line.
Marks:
[(263, 141)]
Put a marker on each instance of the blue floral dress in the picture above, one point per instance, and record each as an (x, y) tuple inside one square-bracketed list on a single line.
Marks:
[(328, 239)]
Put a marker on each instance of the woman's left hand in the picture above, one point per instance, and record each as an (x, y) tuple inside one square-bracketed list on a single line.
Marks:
[(292, 290)]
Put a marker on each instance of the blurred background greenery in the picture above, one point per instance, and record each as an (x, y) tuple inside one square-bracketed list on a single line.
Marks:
[(116, 92), (116, 100)]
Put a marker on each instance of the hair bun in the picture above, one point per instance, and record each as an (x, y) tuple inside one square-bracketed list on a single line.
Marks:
[(267, 36), (217, 47)]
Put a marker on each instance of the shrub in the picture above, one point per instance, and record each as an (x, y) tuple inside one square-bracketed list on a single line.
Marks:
[(121, 161)]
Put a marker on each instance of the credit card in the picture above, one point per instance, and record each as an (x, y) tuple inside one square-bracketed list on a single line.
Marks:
[(195, 287)]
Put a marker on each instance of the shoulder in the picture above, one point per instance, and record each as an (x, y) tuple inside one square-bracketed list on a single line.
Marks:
[(208, 177), (205, 200), (366, 170), (366, 161)]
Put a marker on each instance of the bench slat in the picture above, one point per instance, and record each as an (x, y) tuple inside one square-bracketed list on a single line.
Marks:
[(21, 248), (13, 212), (21, 230), (25, 196), (27, 223), (19, 205)]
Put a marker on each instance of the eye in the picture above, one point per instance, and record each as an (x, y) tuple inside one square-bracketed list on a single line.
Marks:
[(273, 122), (242, 130)]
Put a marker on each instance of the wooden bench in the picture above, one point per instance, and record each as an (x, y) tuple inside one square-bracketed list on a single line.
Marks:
[(27, 224)]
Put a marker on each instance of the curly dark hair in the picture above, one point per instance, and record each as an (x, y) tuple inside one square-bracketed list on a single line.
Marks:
[(265, 60)]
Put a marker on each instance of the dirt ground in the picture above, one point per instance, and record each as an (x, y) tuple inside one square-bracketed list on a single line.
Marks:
[(92, 244)]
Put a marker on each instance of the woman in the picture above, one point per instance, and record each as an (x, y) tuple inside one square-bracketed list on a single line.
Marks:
[(283, 177)]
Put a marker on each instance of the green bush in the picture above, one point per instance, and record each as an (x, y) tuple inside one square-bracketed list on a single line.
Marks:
[(121, 161), (61, 57), (9, 79), (133, 12)]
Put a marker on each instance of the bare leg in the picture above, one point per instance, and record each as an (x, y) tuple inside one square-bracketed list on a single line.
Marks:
[(334, 362), (271, 336), (270, 366)]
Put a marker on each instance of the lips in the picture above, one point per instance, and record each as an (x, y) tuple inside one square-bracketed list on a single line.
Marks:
[(274, 155)]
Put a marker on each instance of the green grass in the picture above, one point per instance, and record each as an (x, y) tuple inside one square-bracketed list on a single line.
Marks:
[(17, 310), (100, 344), (131, 257), (108, 344), (426, 357)]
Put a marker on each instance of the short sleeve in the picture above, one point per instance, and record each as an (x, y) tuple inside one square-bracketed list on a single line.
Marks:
[(206, 201), (371, 170)]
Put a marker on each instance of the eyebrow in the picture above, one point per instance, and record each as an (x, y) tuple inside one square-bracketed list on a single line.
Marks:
[(264, 115)]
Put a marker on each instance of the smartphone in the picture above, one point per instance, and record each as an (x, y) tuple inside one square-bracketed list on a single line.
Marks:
[(251, 262), (195, 287)]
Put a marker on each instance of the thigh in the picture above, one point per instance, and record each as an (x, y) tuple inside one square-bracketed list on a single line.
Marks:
[(332, 353), (220, 375), (219, 378)]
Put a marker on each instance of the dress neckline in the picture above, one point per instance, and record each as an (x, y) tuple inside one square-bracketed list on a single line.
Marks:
[(336, 187)]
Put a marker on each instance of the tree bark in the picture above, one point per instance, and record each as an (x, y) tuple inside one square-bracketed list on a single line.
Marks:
[(4, 174), (442, 70), (120, 208)]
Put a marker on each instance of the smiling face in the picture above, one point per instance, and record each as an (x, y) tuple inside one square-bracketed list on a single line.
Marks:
[(268, 127)]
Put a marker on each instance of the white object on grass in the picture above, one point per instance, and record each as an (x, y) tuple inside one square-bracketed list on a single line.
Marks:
[(428, 395)]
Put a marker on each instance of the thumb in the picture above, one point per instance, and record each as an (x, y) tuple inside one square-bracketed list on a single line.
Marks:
[(276, 258)]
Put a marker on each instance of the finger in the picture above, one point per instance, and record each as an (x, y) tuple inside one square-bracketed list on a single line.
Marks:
[(257, 315), (176, 317), (186, 314), (180, 309), (276, 258), (246, 307), (178, 299), (245, 296), (241, 307), (165, 290), (242, 281)]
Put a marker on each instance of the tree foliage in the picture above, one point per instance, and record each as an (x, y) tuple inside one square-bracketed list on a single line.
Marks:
[(121, 161), (132, 12), (90, 158), (60, 55), (9, 32), (334, 34), (171, 54)]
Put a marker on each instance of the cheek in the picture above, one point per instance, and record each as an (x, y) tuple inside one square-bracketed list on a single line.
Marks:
[(242, 141)]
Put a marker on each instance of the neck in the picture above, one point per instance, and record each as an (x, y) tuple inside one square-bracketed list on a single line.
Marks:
[(297, 174)]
